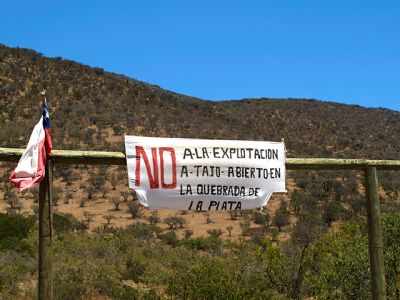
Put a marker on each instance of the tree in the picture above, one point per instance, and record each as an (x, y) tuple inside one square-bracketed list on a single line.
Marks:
[(108, 219), (229, 229), (90, 192), (134, 209), (358, 205), (125, 196), (333, 212), (14, 204), (280, 220), (296, 201), (308, 228), (96, 181), (116, 200), (281, 217), (114, 181)]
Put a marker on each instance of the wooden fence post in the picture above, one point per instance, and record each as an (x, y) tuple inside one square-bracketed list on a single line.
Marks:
[(45, 288), (375, 241)]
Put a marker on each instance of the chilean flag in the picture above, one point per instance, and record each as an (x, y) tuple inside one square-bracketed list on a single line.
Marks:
[(31, 166)]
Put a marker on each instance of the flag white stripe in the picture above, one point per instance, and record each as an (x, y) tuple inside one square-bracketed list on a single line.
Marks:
[(28, 163)]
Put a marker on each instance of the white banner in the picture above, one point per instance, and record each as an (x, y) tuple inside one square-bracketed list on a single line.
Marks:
[(195, 174)]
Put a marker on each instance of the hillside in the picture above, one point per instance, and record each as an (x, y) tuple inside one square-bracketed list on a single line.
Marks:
[(92, 109), (310, 243)]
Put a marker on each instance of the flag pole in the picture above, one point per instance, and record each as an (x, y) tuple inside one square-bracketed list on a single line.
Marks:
[(45, 282)]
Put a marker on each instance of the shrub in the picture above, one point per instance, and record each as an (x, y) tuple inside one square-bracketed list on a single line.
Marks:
[(88, 218), (334, 211), (274, 234), (15, 269), (14, 229), (340, 263), (116, 202), (114, 181), (143, 231), (215, 232), (208, 219), (234, 214), (229, 229), (134, 209), (134, 269), (257, 236), (281, 220), (13, 202), (207, 278), (391, 241), (108, 219), (154, 218), (57, 193), (80, 278), (170, 238), (211, 244), (68, 197), (64, 222), (245, 226), (281, 217), (260, 218), (188, 233), (126, 293), (175, 222), (125, 196)]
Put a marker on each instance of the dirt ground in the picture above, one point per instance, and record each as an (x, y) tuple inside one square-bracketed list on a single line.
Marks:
[(100, 207)]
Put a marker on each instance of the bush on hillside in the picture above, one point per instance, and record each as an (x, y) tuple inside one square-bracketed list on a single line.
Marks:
[(14, 229)]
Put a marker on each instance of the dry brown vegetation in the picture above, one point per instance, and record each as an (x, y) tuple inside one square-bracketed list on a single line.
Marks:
[(93, 109)]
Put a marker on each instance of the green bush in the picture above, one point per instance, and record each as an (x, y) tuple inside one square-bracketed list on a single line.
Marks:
[(205, 279), (143, 231), (66, 223), (154, 218), (134, 209), (334, 211), (14, 229), (212, 244), (260, 218), (170, 238), (340, 265), (15, 269), (391, 241), (215, 232), (132, 263), (175, 222), (134, 269)]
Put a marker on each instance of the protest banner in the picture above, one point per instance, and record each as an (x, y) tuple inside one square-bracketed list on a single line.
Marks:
[(197, 174)]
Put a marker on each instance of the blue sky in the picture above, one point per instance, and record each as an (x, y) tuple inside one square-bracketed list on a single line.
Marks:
[(344, 51)]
